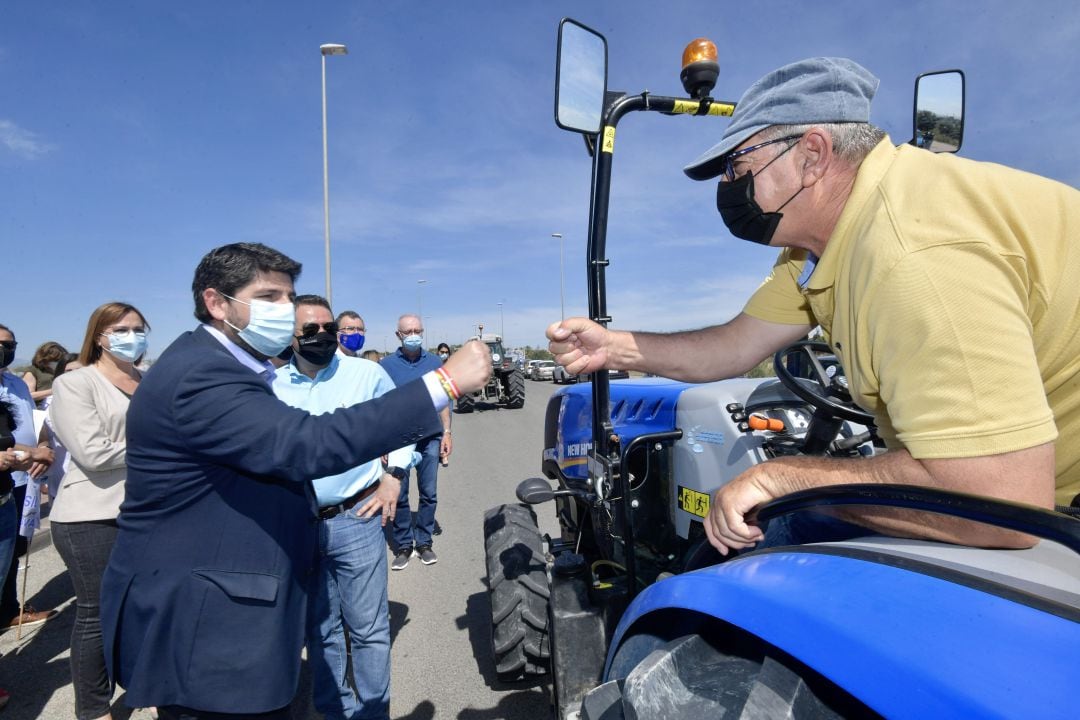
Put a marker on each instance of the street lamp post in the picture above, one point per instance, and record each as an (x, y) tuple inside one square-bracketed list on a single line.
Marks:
[(327, 49), (420, 300), (562, 286), (502, 328)]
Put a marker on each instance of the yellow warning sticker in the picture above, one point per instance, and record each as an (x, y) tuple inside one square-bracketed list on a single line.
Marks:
[(690, 107), (686, 106), (608, 145), (724, 109), (693, 502)]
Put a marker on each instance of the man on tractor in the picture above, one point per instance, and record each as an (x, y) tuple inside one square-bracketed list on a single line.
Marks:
[(948, 288)]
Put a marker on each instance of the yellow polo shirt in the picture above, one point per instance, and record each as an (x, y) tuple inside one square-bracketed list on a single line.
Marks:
[(950, 290)]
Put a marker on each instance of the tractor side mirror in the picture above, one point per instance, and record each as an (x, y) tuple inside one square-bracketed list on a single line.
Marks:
[(939, 111), (534, 491), (580, 78)]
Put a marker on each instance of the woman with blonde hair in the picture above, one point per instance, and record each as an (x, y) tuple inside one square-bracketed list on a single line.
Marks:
[(88, 412)]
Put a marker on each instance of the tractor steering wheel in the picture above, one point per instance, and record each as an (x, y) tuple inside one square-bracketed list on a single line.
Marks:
[(829, 394)]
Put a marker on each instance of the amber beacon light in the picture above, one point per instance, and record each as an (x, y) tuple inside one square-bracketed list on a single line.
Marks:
[(699, 68)]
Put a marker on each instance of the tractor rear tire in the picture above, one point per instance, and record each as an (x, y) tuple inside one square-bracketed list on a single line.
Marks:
[(515, 390), (518, 589)]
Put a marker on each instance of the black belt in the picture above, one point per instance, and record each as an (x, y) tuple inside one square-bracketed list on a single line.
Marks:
[(325, 513)]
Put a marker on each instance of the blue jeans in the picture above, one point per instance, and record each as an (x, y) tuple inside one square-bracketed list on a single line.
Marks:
[(809, 527), (9, 528), (9, 597), (350, 595), (426, 481)]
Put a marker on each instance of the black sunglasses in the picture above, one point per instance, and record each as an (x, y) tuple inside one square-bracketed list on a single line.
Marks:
[(310, 330), (9, 344)]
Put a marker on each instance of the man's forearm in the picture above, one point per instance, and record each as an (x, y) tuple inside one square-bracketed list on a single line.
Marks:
[(1022, 476), (712, 353)]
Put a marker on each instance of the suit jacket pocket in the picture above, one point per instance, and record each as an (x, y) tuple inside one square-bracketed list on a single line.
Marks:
[(242, 585)]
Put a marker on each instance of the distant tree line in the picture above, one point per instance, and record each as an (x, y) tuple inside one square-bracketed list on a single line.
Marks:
[(532, 353), (941, 128)]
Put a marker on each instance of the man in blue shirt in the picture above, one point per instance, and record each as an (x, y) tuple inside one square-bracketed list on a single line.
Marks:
[(15, 392), (351, 331), (350, 570), (410, 362)]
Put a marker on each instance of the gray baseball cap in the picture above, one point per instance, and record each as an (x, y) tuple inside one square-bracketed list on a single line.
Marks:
[(815, 90)]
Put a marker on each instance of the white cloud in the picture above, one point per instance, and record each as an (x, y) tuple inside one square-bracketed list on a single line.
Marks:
[(22, 143)]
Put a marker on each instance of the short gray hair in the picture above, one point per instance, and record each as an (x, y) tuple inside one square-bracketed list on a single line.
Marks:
[(852, 141), (410, 315)]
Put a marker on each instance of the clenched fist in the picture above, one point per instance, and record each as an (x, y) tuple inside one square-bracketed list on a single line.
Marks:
[(579, 344), (470, 366)]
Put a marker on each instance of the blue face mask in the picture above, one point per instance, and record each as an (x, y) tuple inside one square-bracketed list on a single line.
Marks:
[(129, 346), (353, 342), (270, 327), (412, 343)]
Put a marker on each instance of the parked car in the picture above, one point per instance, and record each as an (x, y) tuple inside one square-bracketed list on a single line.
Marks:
[(560, 376), (529, 365), (543, 370)]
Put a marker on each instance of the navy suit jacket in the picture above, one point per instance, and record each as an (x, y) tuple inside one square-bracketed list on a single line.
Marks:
[(203, 600)]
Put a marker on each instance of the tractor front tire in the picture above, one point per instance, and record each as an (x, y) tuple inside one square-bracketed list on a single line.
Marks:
[(518, 589)]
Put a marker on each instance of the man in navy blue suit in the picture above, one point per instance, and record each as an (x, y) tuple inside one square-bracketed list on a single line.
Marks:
[(204, 598)]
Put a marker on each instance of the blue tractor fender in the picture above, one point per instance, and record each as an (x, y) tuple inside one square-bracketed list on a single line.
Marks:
[(905, 643)]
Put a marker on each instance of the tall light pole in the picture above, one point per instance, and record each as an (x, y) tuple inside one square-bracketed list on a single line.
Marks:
[(327, 49), (502, 328), (562, 284), (420, 301)]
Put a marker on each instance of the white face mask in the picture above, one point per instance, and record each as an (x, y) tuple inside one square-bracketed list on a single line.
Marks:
[(270, 327)]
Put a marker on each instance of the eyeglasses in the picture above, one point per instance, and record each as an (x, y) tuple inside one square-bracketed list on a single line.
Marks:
[(310, 330), (727, 164), (124, 331), (9, 344), (351, 330)]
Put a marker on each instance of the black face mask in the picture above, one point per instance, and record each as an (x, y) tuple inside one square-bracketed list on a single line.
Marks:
[(319, 349), (742, 215)]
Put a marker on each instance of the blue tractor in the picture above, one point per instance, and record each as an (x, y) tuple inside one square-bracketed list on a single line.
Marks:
[(634, 615)]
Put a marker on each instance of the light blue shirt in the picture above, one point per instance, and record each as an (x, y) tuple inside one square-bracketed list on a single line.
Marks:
[(808, 269), (14, 391), (344, 382)]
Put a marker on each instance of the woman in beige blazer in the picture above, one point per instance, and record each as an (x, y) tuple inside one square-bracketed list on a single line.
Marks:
[(88, 413)]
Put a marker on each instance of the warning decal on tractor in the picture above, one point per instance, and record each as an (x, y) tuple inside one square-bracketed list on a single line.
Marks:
[(693, 502), (608, 145)]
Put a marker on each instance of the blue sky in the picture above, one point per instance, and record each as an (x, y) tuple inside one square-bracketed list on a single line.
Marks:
[(136, 136)]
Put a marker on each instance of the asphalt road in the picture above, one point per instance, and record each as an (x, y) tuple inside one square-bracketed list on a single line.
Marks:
[(439, 622)]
